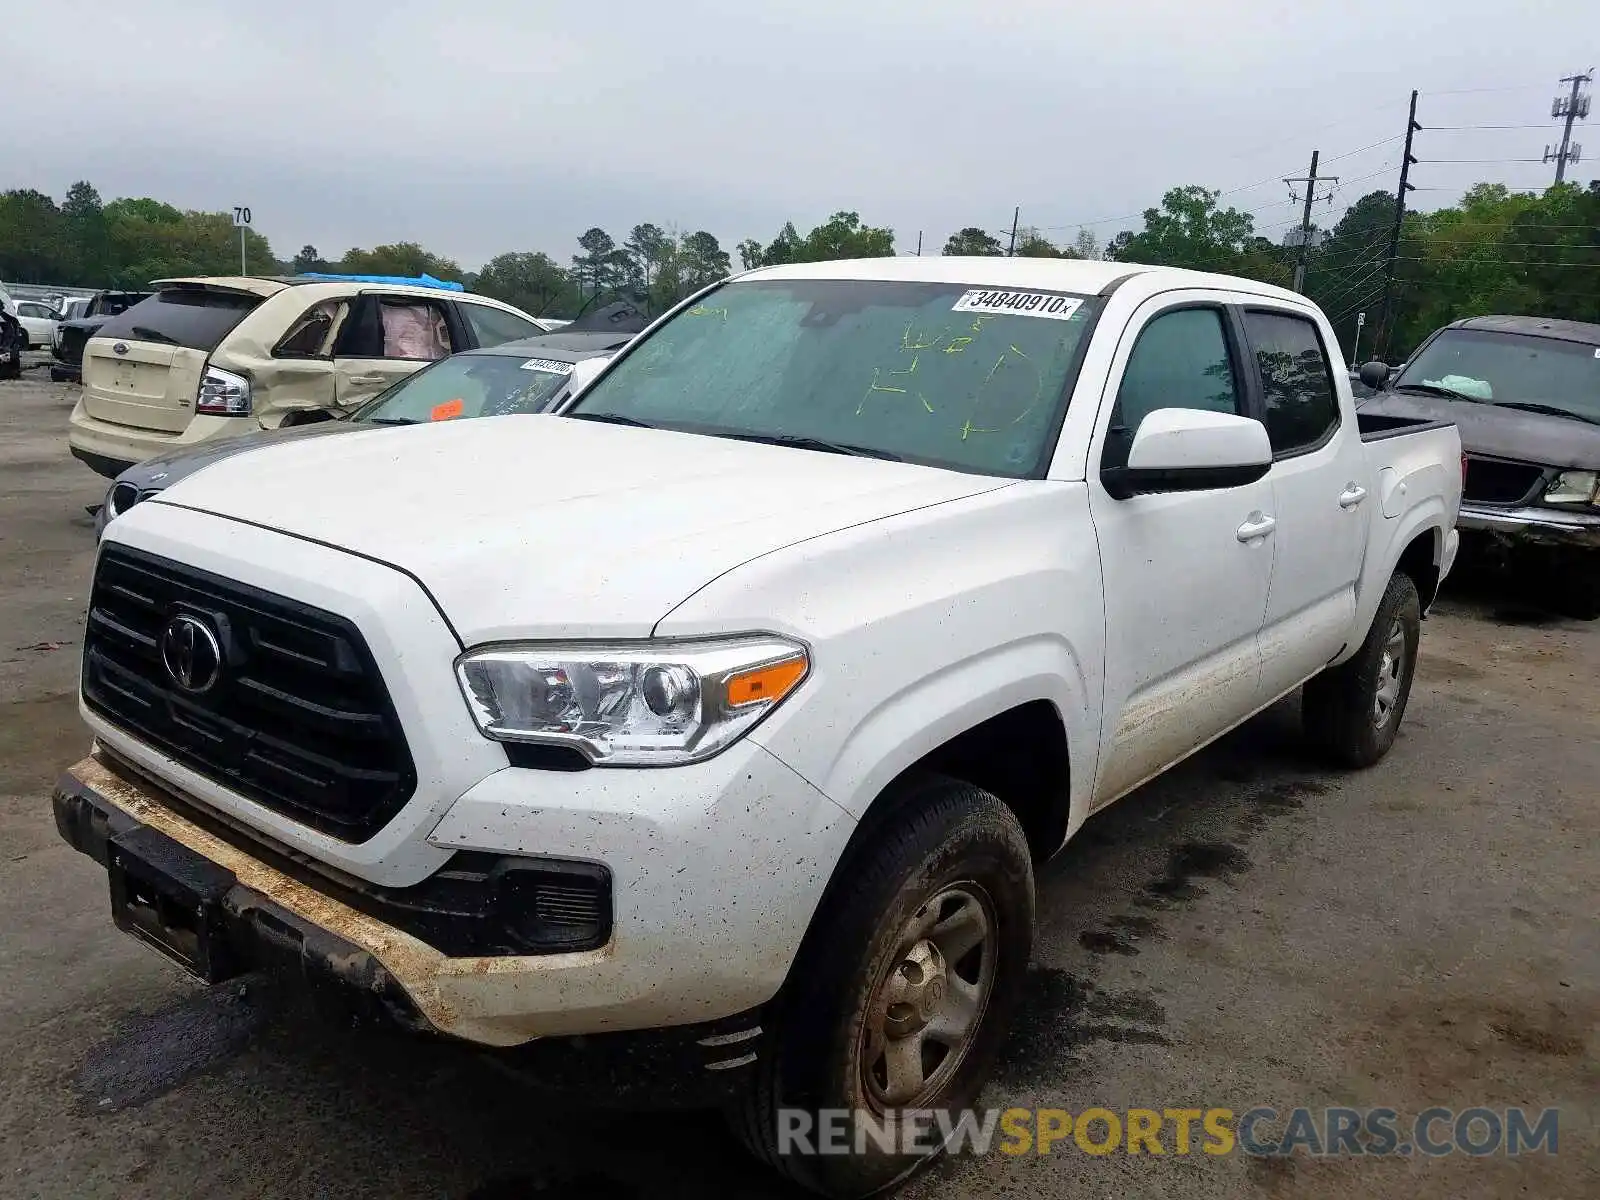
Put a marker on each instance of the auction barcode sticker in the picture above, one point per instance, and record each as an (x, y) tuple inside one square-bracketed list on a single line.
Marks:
[(553, 366), (1026, 304)]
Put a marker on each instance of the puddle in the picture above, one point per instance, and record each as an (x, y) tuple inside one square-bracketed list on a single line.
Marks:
[(151, 1055)]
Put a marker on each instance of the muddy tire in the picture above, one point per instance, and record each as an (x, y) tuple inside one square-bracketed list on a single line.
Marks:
[(900, 996), (1352, 712)]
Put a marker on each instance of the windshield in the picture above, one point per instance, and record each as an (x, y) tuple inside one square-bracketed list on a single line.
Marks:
[(1510, 368), (471, 385), (938, 373)]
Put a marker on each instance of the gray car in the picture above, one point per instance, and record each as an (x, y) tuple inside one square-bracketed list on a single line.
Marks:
[(528, 376)]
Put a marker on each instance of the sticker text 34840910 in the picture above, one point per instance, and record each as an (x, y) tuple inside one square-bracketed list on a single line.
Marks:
[(1026, 304)]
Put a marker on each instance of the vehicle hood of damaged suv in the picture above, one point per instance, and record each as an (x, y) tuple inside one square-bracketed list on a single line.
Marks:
[(550, 527)]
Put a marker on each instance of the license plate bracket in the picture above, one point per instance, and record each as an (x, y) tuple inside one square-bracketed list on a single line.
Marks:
[(170, 898)]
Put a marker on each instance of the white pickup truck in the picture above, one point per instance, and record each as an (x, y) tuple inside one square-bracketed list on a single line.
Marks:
[(726, 713)]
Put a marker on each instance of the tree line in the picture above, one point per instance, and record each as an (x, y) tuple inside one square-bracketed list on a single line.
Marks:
[(1493, 251)]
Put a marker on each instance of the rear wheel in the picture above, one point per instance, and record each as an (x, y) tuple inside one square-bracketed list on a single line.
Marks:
[(1352, 712), (897, 1003)]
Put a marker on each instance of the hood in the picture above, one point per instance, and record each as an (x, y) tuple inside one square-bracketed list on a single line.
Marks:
[(549, 527), (1500, 432), (163, 472)]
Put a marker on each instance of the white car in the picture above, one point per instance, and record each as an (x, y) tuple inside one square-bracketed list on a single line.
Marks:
[(730, 710), (39, 320)]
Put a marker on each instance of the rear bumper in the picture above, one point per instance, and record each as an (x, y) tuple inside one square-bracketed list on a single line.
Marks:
[(94, 440), (1538, 526), (267, 922)]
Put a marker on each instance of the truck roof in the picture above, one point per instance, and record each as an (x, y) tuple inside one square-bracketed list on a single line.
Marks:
[(1550, 327), (1085, 276)]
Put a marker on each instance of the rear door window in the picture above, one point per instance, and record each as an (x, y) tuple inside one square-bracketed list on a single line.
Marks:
[(195, 318), (313, 335), (1296, 381)]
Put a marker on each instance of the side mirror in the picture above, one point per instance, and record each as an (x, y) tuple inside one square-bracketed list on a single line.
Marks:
[(1190, 450), (583, 374), (1374, 374)]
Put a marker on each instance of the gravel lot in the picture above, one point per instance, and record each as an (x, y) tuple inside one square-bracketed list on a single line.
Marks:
[(1249, 930)]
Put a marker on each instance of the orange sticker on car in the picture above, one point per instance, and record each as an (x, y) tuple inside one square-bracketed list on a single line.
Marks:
[(447, 410)]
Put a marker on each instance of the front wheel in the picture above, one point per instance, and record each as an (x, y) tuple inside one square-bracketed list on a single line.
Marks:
[(1352, 712), (898, 1001)]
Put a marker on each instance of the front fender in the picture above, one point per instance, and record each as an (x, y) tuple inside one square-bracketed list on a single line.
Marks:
[(905, 727)]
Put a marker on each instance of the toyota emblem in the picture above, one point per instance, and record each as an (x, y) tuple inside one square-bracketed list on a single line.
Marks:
[(191, 653), (119, 348)]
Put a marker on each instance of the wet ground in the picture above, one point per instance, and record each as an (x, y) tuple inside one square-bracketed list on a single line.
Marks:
[(1249, 930)]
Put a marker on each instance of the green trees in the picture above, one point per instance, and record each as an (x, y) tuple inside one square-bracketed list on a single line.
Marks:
[(840, 236), (1493, 251), (972, 240)]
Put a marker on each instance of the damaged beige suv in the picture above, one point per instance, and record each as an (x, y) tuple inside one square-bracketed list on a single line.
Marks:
[(201, 359)]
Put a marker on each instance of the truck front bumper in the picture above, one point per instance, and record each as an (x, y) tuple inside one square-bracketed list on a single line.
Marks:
[(703, 927), (250, 925), (1533, 526)]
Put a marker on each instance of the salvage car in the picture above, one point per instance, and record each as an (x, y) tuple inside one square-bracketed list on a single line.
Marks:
[(39, 320), (207, 358), (1525, 393), (13, 341), (529, 376), (723, 716), (73, 333)]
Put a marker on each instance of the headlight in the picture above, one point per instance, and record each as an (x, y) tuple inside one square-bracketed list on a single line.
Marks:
[(120, 497), (631, 704), (1574, 487), (223, 394)]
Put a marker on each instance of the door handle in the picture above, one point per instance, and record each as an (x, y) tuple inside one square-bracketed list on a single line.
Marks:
[(1352, 495), (366, 379), (1258, 526)]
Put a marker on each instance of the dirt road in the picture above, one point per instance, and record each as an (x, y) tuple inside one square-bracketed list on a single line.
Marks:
[(1249, 930)]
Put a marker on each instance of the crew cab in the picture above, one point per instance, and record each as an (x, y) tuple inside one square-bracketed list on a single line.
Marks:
[(1525, 393), (207, 358), (723, 715)]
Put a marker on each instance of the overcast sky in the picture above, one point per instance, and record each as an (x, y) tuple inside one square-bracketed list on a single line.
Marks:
[(508, 125)]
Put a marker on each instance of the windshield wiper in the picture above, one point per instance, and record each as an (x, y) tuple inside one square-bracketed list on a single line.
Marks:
[(387, 421), (145, 333), (1549, 410), (611, 419), (1433, 389), (811, 443)]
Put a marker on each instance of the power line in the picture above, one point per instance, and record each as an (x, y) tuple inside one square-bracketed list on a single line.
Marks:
[(1505, 262), (1463, 128), (1523, 87), (1427, 161)]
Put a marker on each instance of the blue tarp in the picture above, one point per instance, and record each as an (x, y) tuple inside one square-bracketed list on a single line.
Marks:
[(417, 281)]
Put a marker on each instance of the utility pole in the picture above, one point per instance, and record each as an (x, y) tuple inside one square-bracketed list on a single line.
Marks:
[(1381, 345), (1310, 180), (1573, 106), (1016, 215), (919, 243)]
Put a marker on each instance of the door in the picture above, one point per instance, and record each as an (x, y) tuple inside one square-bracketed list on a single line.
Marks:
[(387, 338), (1186, 573), (1319, 497), (300, 376)]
